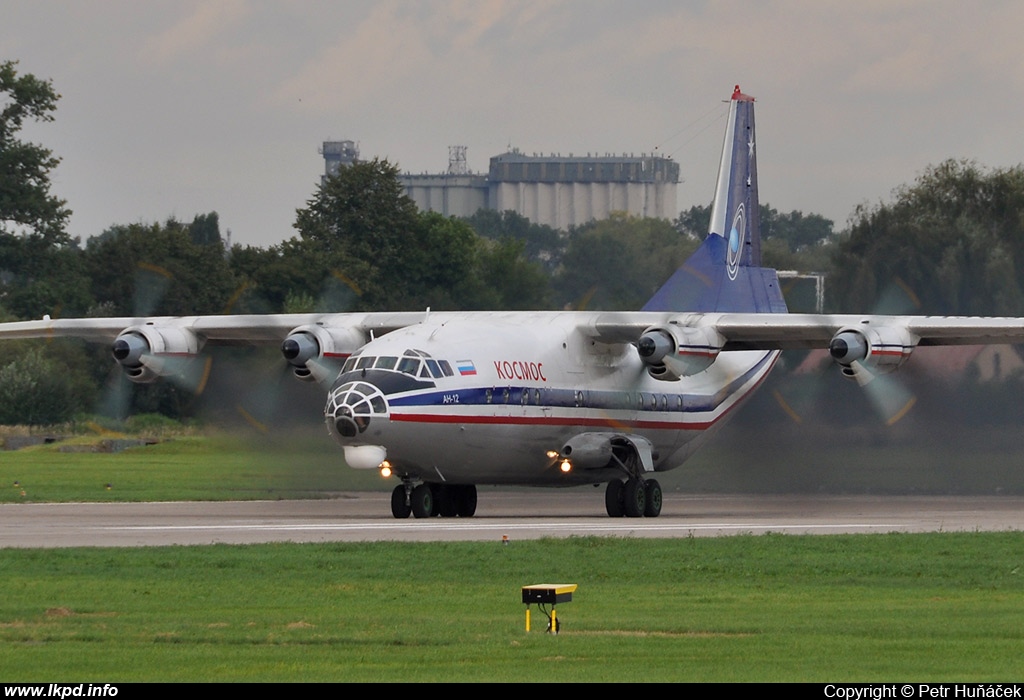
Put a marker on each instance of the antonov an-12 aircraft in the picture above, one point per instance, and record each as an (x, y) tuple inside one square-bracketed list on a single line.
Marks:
[(446, 401)]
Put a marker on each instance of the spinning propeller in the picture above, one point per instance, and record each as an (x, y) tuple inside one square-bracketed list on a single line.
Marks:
[(869, 356), (311, 353)]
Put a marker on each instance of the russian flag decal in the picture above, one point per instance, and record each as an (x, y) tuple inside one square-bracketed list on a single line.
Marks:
[(466, 367)]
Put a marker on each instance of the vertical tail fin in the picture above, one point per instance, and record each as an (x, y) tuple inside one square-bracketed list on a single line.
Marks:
[(725, 273), (736, 212)]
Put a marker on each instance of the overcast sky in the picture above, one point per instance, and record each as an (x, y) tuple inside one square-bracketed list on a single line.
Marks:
[(177, 108)]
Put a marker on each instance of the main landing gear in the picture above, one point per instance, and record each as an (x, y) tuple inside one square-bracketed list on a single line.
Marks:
[(633, 498), (428, 500)]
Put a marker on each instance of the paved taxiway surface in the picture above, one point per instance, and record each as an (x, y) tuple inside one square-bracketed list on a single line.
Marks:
[(517, 514)]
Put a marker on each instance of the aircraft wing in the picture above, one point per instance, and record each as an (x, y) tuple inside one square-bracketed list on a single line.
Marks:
[(264, 329), (675, 345), (147, 348), (758, 331), (681, 343), (789, 331), (739, 331)]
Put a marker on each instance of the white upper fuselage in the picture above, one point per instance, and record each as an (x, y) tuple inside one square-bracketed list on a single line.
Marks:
[(490, 398)]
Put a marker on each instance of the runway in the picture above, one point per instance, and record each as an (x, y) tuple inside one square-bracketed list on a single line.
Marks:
[(519, 515)]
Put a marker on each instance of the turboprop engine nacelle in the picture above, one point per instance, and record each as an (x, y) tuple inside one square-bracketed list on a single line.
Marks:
[(671, 352), (141, 350), (882, 349), (310, 349)]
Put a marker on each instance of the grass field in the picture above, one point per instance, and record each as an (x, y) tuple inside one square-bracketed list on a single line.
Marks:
[(305, 464), (190, 467), (769, 608)]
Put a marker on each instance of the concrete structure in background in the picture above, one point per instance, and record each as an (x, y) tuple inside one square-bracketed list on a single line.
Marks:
[(337, 154), (567, 191), (553, 190), (457, 192)]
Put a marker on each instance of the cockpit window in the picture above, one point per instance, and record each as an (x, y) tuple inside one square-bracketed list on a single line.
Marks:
[(386, 363), (415, 363), (409, 365)]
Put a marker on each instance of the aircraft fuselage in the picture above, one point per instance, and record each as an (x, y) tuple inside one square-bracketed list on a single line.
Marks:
[(492, 398)]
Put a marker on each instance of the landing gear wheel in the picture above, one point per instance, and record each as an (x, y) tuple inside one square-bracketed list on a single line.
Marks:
[(422, 501), (465, 500), (653, 493), (613, 499), (399, 508), (444, 500), (634, 498)]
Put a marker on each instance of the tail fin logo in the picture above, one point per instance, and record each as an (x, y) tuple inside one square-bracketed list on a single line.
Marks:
[(737, 239)]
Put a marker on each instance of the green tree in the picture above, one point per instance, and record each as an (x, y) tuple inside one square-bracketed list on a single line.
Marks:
[(40, 271), (694, 222), (43, 382), (26, 204), (157, 269), (618, 263), (438, 266), (541, 244), (362, 235), (507, 279), (792, 232), (293, 276), (34, 391), (954, 239), (205, 229), (796, 230), (37, 278), (360, 221)]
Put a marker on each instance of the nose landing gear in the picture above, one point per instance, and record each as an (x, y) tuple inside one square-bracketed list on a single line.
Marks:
[(427, 500)]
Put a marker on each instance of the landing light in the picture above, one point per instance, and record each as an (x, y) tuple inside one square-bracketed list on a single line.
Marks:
[(565, 466), (385, 469), (551, 454)]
